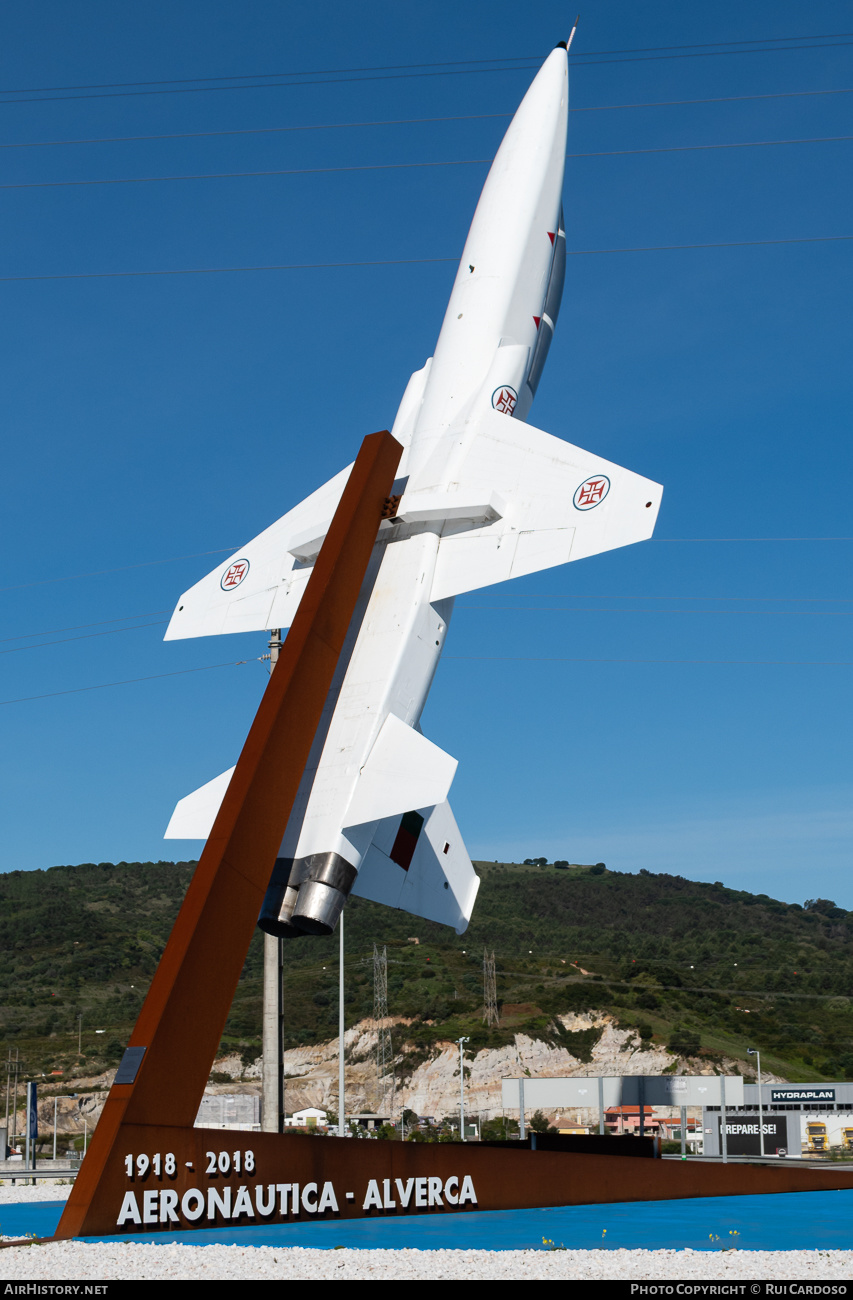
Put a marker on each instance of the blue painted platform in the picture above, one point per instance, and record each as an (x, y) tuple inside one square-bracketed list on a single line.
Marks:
[(783, 1221)]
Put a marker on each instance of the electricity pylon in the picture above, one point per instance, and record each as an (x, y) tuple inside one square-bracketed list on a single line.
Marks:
[(490, 993), (384, 1062)]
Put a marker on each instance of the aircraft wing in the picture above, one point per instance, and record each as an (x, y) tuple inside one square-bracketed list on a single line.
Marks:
[(554, 502), (260, 586)]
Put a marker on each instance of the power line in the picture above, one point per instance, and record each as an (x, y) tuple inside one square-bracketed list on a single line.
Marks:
[(429, 261), (559, 659), (222, 550), (398, 72), (215, 176), (406, 121), (694, 148), (128, 681), (698, 988), (295, 72), (751, 539), (277, 130), (521, 595), (87, 636), (715, 99), (405, 166), (712, 54), (705, 45), (282, 85), (553, 595), (124, 568), (597, 609), (777, 663), (21, 636), (398, 67), (78, 627), (229, 270), (517, 608)]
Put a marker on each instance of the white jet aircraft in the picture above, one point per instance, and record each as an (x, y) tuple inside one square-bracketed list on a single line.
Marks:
[(484, 497)]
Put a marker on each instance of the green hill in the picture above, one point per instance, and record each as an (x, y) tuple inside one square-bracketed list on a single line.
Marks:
[(705, 969)]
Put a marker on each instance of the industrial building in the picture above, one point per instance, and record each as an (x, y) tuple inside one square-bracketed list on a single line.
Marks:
[(798, 1119)]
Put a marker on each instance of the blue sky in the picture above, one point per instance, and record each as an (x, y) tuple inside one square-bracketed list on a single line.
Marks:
[(681, 705)]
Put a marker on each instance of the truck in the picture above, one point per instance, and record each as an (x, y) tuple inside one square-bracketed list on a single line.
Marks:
[(817, 1136)]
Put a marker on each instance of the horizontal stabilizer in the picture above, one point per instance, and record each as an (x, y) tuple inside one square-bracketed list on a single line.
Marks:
[(560, 503), (439, 883), (403, 770), (195, 814)]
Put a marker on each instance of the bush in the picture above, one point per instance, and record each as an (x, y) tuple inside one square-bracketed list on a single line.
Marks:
[(840, 1066), (683, 1042), (598, 870)]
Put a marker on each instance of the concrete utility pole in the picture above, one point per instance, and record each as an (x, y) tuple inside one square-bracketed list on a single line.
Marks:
[(272, 1081), (342, 1129)]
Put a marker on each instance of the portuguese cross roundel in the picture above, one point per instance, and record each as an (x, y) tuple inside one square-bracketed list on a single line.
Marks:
[(234, 575), (504, 399), (591, 492)]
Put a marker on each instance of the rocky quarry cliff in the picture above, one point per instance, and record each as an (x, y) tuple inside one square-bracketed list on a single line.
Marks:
[(426, 1086)]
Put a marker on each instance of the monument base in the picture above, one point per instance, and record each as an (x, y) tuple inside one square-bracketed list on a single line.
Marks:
[(165, 1179)]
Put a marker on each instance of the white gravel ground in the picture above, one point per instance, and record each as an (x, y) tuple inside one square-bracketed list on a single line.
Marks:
[(46, 1191), (76, 1261)]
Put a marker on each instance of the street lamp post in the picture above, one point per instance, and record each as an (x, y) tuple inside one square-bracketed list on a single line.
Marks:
[(753, 1051), (56, 1101), (461, 1042)]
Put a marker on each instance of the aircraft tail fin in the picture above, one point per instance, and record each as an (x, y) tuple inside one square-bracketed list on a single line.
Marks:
[(418, 863), (195, 814)]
